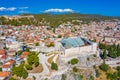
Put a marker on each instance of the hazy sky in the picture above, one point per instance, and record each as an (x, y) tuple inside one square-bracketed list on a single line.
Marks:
[(104, 7)]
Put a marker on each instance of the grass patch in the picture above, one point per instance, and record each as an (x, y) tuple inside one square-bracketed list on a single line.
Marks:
[(103, 75), (50, 60)]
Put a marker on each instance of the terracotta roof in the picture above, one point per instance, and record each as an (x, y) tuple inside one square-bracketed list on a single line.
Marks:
[(6, 66), (4, 74), (3, 56), (10, 61), (25, 53), (2, 52), (23, 56)]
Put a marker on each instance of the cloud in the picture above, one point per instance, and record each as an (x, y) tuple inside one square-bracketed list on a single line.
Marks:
[(11, 9), (59, 10), (2, 8), (23, 7), (22, 11), (7, 9)]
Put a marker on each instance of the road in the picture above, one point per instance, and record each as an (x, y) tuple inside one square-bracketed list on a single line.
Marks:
[(42, 60)]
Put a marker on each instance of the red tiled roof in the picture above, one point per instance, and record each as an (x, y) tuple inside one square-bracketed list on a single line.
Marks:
[(23, 56), (25, 53), (6, 66), (4, 74), (11, 61), (3, 57), (2, 52)]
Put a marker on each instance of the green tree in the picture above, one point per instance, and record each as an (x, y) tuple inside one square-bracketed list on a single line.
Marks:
[(91, 77), (0, 69), (19, 52), (3, 34), (36, 63), (11, 78), (54, 66), (97, 73), (6, 48), (33, 59), (104, 54), (34, 78), (107, 28), (118, 68), (51, 45), (104, 67), (111, 76), (75, 69), (114, 76), (28, 67), (37, 44), (59, 36), (27, 49), (74, 61), (20, 71), (63, 77), (113, 50), (102, 46), (118, 73)]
